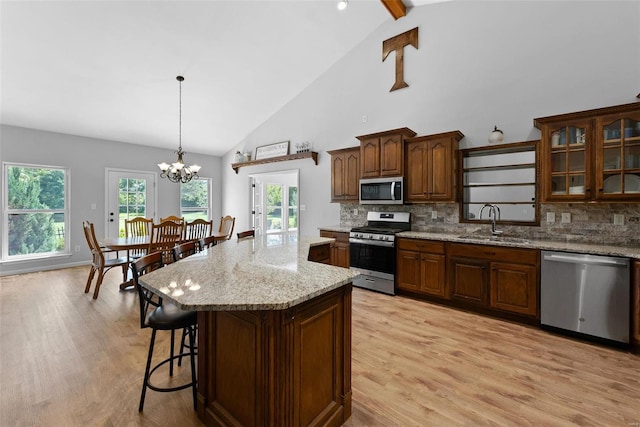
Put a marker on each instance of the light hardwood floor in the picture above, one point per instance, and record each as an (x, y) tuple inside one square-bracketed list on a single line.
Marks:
[(67, 360)]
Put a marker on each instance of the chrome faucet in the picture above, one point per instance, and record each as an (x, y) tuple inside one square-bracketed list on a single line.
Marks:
[(494, 215)]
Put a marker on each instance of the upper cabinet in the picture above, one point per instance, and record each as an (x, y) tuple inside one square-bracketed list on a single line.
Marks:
[(591, 155), (345, 174), (430, 167), (382, 153)]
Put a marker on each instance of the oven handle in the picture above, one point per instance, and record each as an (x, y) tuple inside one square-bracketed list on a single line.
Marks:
[(386, 244)]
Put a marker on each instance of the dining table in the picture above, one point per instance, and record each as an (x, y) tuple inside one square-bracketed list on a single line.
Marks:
[(140, 242)]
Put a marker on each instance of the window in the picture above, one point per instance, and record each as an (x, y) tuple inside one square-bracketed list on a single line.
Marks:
[(36, 215), (195, 199)]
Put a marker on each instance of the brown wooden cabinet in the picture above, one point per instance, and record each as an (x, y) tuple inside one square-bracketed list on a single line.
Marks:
[(430, 165), (382, 153), (498, 278), (345, 175), (591, 155), (635, 308), (339, 254), (421, 267)]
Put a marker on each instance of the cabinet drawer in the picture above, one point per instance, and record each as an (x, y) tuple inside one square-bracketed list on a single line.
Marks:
[(341, 237), (421, 245), (495, 253)]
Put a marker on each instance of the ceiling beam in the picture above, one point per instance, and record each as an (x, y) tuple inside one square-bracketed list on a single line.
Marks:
[(396, 8)]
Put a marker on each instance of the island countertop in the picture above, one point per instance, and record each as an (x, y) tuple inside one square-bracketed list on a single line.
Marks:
[(253, 274)]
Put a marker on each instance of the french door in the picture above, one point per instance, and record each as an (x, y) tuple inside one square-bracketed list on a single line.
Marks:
[(129, 194)]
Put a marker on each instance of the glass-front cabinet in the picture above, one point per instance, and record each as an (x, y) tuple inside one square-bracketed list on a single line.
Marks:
[(591, 155), (618, 162)]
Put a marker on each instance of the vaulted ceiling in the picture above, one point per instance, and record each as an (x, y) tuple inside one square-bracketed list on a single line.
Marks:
[(107, 69)]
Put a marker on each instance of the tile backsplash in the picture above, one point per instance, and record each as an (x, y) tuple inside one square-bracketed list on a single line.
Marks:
[(589, 222)]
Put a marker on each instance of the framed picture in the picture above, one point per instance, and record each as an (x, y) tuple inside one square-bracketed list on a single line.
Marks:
[(272, 150)]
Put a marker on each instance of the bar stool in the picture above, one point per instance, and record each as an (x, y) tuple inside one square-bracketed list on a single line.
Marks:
[(159, 317)]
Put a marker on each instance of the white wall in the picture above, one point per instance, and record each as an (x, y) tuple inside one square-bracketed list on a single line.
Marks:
[(87, 159), (479, 64)]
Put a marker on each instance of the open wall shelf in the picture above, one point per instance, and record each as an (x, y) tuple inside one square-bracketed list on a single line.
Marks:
[(306, 155)]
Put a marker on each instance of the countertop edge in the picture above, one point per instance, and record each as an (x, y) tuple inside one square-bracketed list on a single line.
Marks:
[(552, 245)]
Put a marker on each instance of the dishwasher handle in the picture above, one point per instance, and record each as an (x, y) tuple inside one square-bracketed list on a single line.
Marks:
[(587, 260)]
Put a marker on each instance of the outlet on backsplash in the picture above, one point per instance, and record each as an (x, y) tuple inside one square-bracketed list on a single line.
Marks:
[(566, 217), (618, 219), (434, 214)]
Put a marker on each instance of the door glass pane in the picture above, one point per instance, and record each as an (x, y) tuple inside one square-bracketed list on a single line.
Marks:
[(559, 162), (558, 185), (577, 135), (133, 200), (632, 157), (611, 158), (631, 128), (292, 219), (274, 207), (576, 184), (612, 131), (576, 161)]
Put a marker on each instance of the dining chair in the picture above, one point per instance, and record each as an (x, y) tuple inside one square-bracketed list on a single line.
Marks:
[(164, 237), (178, 219), (137, 227), (163, 317), (246, 235), (100, 264), (226, 225), (184, 250), (197, 229), (206, 242)]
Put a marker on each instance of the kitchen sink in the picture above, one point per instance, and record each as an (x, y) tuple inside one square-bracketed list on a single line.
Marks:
[(485, 238)]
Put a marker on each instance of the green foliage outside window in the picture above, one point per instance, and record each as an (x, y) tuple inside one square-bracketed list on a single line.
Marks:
[(36, 203)]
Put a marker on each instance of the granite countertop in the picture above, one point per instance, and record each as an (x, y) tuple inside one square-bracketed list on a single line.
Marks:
[(337, 228), (552, 245), (248, 275)]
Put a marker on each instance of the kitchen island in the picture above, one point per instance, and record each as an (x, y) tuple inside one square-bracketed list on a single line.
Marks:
[(274, 331)]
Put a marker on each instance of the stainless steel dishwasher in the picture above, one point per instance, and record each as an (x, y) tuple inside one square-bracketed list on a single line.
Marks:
[(587, 294)]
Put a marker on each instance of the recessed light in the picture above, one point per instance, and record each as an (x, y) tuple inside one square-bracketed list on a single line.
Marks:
[(342, 5)]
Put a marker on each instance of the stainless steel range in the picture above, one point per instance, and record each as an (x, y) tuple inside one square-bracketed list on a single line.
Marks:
[(373, 251)]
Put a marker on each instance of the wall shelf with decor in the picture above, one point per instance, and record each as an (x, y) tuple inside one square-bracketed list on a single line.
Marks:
[(297, 156)]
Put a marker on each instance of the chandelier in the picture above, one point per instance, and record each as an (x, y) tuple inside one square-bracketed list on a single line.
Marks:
[(178, 172)]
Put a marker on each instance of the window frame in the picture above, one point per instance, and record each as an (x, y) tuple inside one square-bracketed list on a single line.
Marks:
[(66, 251)]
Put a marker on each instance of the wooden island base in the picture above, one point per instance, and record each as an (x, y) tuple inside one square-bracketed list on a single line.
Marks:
[(277, 368)]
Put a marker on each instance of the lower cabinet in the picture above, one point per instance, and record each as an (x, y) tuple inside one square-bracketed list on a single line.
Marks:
[(499, 278), (635, 307), (339, 251), (420, 267)]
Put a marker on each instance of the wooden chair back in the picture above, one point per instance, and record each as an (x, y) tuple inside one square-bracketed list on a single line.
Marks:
[(207, 242), (164, 237), (197, 229), (137, 227), (148, 300), (226, 225), (179, 219), (184, 250), (94, 246), (245, 235)]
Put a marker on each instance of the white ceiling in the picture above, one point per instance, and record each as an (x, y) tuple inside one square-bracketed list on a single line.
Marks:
[(107, 69)]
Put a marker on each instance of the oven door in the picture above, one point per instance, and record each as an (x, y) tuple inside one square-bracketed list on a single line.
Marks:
[(373, 256)]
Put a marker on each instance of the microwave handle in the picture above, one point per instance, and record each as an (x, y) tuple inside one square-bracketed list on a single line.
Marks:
[(393, 194)]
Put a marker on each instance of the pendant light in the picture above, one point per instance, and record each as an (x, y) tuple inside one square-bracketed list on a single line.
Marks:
[(178, 172)]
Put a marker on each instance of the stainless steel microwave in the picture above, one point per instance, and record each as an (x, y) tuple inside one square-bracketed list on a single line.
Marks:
[(382, 191)]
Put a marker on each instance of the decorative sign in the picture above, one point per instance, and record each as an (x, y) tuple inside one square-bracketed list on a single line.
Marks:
[(398, 43), (272, 150)]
